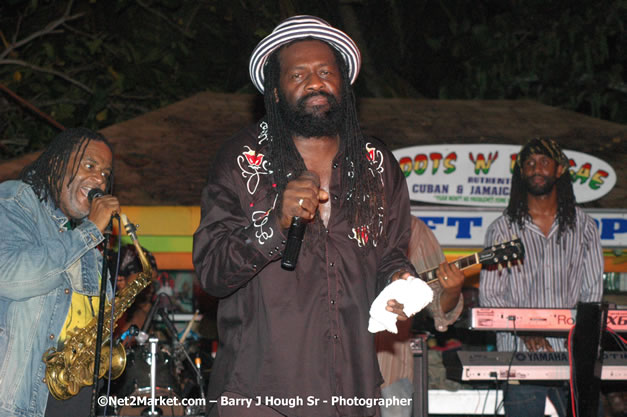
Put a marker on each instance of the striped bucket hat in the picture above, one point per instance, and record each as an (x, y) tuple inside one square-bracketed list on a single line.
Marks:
[(303, 26)]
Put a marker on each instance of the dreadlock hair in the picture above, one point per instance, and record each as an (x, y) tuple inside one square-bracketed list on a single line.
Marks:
[(517, 210), (364, 198), (46, 174)]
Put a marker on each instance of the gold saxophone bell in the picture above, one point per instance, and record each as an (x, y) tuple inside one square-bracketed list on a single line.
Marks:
[(71, 368)]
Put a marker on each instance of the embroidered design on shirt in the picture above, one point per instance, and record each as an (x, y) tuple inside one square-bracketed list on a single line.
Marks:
[(260, 218), (375, 156), (263, 135), (360, 235), (253, 166)]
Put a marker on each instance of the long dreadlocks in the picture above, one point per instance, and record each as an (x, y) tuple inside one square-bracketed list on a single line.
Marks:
[(517, 210), (46, 174), (364, 199)]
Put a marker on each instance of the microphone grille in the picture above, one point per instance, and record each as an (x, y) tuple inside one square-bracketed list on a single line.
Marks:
[(312, 176), (94, 193)]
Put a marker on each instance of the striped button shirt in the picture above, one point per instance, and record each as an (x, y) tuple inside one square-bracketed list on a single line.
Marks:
[(553, 274)]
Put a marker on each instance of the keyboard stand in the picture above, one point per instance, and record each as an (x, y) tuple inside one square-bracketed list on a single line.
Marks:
[(420, 352)]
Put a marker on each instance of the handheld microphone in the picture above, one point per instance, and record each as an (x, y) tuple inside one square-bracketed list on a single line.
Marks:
[(296, 233), (94, 193)]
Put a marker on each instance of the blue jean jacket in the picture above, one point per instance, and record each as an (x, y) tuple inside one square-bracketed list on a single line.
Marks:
[(36, 255)]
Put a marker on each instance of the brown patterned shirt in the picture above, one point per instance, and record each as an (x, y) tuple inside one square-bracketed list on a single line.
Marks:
[(293, 335)]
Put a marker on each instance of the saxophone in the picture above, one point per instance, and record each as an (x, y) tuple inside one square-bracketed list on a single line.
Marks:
[(71, 368)]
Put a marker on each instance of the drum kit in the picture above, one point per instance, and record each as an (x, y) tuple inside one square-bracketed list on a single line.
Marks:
[(160, 378)]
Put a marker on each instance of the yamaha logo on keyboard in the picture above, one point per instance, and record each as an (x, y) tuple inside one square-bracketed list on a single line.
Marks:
[(541, 356)]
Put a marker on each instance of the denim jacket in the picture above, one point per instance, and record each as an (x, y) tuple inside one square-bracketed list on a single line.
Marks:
[(36, 255)]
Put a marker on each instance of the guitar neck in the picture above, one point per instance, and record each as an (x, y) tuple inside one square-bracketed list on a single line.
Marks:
[(431, 276)]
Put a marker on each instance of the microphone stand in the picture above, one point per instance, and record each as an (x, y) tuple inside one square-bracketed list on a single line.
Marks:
[(103, 295), (180, 347), (151, 314)]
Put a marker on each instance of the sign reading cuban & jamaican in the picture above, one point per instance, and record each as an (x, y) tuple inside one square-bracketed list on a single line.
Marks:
[(480, 174)]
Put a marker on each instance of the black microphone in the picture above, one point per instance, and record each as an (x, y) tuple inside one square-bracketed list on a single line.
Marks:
[(296, 233), (94, 193)]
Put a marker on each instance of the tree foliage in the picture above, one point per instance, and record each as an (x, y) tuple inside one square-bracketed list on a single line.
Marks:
[(98, 62), (569, 54)]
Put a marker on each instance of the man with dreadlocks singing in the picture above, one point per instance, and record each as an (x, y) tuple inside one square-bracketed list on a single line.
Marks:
[(563, 262), (296, 343), (50, 265)]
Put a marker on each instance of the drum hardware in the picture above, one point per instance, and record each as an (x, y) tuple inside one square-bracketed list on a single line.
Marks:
[(153, 375), (155, 371), (157, 367), (179, 348)]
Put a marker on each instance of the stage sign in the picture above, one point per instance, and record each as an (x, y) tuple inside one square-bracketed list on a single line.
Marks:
[(480, 175), (467, 227)]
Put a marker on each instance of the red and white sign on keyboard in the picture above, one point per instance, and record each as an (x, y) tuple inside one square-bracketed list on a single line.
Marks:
[(530, 319)]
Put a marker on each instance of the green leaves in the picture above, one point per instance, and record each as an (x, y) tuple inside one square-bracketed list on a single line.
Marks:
[(116, 59)]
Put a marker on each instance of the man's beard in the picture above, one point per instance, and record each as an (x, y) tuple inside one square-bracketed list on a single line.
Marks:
[(540, 189), (303, 123)]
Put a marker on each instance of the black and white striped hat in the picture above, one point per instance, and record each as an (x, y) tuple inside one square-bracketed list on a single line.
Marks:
[(303, 26)]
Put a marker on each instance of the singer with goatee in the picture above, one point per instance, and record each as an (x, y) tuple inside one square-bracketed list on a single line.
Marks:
[(563, 264), (50, 265), (294, 341)]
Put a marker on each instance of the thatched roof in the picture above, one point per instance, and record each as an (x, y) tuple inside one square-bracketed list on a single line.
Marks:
[(162, 157)]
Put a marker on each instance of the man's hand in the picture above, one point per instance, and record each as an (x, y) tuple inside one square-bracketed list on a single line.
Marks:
[(301, 199), (451, 279), (536, 343), (393, 305), (102, 208)]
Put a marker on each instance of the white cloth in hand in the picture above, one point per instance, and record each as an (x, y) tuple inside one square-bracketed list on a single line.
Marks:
[(412, 292)]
